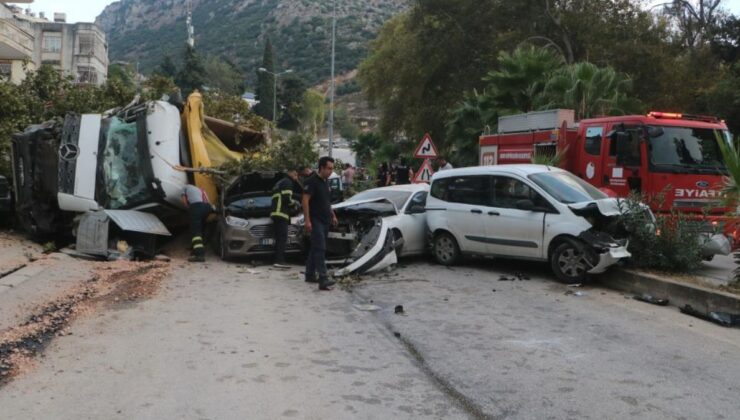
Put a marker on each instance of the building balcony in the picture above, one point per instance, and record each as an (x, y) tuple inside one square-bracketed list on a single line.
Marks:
[(15, 43)]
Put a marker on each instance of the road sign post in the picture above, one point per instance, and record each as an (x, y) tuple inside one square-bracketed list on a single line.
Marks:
[(425, 150)]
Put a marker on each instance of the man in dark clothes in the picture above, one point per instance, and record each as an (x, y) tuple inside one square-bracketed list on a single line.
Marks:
[(283, 206), (384, 176), (318, 214), (404, 173), (199, 207)]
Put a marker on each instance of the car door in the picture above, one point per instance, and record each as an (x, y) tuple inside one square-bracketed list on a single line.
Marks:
[(511, 231), (468, 197), (413, 224)]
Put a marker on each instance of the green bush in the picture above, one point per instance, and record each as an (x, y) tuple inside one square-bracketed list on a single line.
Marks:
[(672, 243)]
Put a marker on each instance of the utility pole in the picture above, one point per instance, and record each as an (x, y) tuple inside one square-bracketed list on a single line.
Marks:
[(331, 100), (191, 30), (274, 90)]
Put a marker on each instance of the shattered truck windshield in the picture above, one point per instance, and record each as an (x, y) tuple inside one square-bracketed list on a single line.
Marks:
[(123, 174), (687, 149)]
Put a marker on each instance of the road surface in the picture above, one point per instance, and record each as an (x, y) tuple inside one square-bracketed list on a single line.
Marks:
[(223, 341)]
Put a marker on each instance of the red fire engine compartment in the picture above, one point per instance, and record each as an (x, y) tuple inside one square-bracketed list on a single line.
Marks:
[(618, 155)]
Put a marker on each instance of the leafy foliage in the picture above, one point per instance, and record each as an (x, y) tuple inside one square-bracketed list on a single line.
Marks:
[(291, 153), (192, 75), (670, 244)]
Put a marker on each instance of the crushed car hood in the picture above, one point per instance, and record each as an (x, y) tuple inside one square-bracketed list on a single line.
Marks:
[(607, 207), (347, 204)]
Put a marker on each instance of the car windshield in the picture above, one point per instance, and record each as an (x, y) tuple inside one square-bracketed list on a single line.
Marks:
[(398, 198), (687, 148), (122, 171), (566, 187), (258, 205)]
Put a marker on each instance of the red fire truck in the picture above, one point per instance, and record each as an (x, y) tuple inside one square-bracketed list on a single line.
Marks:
[(668, 155)]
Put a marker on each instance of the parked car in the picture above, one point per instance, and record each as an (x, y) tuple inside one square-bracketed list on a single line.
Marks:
[(376, 227), (529, 212), (244, 225), (6, 205)]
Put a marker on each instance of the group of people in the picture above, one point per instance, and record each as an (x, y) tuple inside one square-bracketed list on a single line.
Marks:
[(315, 199), (401, 173)]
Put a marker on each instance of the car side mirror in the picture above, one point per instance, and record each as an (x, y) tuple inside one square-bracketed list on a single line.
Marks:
[(416, 209), (527, 205)]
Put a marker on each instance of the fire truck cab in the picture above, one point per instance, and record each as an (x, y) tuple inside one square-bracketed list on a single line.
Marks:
[(673, 160)]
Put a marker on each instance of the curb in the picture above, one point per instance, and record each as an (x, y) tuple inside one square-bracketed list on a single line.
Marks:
[(700, 298)]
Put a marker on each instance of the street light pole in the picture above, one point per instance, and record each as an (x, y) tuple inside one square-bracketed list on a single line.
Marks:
[(274, 90), (331, 100)]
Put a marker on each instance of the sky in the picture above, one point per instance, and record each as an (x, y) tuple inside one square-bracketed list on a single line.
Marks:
[(87, 10)]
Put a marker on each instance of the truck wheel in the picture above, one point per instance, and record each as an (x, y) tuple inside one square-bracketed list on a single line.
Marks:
[(570, 263), (446, 250)]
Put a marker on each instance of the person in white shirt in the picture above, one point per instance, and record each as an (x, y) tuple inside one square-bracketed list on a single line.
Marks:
[(443, 164)]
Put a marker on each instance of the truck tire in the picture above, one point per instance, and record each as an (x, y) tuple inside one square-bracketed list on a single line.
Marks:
[(446, 250), (570, 263)]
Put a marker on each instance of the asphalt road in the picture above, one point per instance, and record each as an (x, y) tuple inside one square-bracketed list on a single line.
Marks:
[(228, 341)]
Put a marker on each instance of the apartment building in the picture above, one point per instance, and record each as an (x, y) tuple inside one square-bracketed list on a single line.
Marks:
[(78, 49)]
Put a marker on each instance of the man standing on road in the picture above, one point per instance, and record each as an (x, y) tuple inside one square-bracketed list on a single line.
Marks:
[(443, 164), (318, 214), (404, 173), (199, 207), (348, 176), (283, 206)]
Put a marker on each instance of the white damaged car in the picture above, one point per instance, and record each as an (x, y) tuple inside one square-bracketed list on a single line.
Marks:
[(529, 212), (376, 227)]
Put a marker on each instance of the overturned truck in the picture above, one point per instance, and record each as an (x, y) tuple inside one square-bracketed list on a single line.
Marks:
[(127, 159)]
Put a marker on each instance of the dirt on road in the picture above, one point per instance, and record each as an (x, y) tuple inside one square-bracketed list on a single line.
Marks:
[(112, 283)]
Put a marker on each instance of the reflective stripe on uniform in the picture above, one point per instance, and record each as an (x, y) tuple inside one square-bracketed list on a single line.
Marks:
[(278, 214)]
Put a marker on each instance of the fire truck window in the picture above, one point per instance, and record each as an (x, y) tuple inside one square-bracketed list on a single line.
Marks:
[(628, 148), (593, 140)]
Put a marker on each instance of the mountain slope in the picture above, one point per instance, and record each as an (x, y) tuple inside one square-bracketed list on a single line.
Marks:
[(146, 30)]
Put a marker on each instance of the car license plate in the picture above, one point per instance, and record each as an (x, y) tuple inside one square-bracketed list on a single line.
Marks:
[(267, 242)]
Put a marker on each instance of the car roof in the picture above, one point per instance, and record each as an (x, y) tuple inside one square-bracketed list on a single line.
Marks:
[(522, 170)]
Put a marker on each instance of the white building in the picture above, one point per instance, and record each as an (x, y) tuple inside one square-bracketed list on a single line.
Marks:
[(78, 49)]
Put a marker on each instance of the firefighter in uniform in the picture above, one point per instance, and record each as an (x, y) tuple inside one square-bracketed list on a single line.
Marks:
[(199, 207), (283, 206)]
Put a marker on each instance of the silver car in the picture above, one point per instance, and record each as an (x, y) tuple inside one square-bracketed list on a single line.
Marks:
[(244, 225)]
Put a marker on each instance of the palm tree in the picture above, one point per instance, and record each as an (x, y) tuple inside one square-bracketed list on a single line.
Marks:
[(731, 189), (589, 90), (521, 77)]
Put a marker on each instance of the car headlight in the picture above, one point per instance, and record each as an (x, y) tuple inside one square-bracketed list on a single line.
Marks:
[(236, 222)]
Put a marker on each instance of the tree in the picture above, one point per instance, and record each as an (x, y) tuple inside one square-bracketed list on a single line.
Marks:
[(266, 83), (590, 91), (192, 76), (223, 76), (475, 115), (695, 20), (520, 78), (158, 85), (313, 112), (167, 68), (290, 96)]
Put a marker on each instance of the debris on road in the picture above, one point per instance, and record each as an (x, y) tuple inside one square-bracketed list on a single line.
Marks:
[(366, 307), (720, 318), (399, 309), (577, 294), (647, 298), (516, 277), (117, 282)]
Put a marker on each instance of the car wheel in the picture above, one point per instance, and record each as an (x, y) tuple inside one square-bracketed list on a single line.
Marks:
[(570, 263), (446, 250), (222, 252)]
